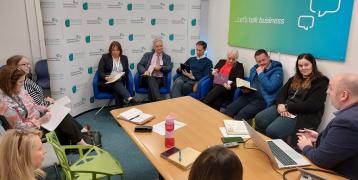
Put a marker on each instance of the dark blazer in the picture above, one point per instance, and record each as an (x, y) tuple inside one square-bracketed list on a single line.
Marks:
[(144, 63), (310, 108), (105, 67), (237, 71)]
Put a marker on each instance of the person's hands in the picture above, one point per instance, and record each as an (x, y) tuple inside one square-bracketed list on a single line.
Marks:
[(45, 118), (50, 100), (108, 78), (157, 68), (308, 133), (188, 74), (146, 73), (3, 108), (260, 69), (286, 114), (227, 86), (281, 108), (303, 141), (243, 90), (214, 72)]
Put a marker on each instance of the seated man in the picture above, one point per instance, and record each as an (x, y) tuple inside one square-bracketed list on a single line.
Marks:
[(266, 76), (336, 147), (200, 66), (153, 67)]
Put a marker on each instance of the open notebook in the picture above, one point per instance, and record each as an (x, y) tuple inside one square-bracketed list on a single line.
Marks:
[(241, 83), (116, 77), (135, 116)]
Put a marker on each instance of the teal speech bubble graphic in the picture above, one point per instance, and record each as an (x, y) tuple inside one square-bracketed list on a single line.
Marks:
[(67, 23), (305, 22), (74, 89), (153, 21), (131, 66), (92, 99), (90, 70), (88, 39), (324, 6), (85, 6), (129, 6), (171, 37), (111, 21), (193, 22), (171, 7), (192, 52), (130, 37), (70, 57)]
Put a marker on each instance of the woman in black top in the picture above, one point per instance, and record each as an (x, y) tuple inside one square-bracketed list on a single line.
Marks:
[(110, 65), (224, 92), (299, 104)]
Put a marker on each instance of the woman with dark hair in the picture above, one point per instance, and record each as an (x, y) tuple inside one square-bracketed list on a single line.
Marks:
[(111, 64), (23, 113), (231, 69), (216, 163), (299, 104)]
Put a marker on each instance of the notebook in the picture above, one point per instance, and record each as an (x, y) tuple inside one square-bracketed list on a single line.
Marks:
[(188, 156), (116, 77), (135, 116), (235, 127), (280, 153), (241, 83), (220, 79)]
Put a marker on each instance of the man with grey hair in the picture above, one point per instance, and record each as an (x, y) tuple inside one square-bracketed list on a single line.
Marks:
[(153, 68), (336, 147)]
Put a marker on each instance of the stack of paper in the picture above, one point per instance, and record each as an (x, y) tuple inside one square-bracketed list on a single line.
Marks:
[(135, 116), (58, 112)]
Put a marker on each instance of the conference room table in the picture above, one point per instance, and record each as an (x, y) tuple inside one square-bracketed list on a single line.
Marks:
[(200, 132)]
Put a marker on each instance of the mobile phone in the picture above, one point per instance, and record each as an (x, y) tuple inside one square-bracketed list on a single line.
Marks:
[(143, 129), (169, 152), (232, 139)]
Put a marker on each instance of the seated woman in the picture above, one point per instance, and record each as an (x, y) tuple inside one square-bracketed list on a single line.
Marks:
[(230, 69), (35, 91), (109, 66), (21, 155), (23, 113), (216, 163), (299, 104)]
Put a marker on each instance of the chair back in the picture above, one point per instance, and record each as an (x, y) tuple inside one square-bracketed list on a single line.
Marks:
[(60, 153), (42, 74)]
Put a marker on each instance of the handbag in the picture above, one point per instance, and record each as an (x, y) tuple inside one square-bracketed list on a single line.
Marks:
[(93, 138)]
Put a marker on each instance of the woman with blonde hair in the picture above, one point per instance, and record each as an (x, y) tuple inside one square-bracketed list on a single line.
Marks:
[(21, 155)]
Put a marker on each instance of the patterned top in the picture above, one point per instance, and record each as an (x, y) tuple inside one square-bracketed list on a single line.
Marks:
[(21, 110), (35, 92)]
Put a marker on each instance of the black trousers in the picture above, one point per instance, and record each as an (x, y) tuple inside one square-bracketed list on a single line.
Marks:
[(153, 84), (69, 131), (217, 96)]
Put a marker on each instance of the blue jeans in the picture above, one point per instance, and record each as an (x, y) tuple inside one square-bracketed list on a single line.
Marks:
[(273, 125), (245, 107)]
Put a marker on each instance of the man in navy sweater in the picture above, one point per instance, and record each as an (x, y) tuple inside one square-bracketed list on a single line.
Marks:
[(336, 147), (200, 66)]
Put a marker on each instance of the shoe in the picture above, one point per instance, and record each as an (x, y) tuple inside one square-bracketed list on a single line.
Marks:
[(132, 102)]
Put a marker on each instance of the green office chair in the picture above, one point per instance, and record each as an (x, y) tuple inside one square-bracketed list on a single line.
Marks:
[(95, 163)]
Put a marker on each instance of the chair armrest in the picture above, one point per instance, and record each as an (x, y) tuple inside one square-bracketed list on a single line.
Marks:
[(80, 148), (204, 85)]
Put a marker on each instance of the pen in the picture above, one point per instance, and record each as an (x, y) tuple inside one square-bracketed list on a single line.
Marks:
[(179, 155), (133, 117)]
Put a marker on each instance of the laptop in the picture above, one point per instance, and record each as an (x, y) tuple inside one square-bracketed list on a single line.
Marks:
[(220, 79), (280, 153)]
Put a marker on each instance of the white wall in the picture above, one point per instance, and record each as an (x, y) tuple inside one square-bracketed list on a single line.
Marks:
[(218, 28), (21, 30)]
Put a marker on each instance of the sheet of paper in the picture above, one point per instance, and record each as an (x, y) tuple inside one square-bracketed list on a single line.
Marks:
[(116, 77), (63, 101), (58, 113), (160, 127), (223, 132)]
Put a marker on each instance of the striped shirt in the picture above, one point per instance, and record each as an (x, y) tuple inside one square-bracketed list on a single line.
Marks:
[(36, 92)]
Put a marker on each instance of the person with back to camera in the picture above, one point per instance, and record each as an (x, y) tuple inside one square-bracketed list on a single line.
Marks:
[(267, 77), (21, 155), (111, 64), (299, 104), (216, 163), (23, 113), (336, 147), (230, 68), (153, 69)]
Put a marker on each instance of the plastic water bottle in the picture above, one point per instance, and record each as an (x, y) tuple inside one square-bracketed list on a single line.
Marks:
[(169, 131)]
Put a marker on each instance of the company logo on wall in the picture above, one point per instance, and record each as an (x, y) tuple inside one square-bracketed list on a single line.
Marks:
[(50, 22), (179, 50), (176, 7), (87, 6), (193, 22), (75, 55), (159, 6), (97, 20), (139, 50), (176, 37), (91, 69), (132, 37), (96, 38), (58, 92), (56, 76), (92, 99), (113, 21), (44, 4), (73, 22), (137, 20), (75, 39), (98, 52), (73, 4), (78, 87), (195, 6), (155, 21), (116, 38), (118, 5), (135, 6), (52, 41), (56, 57), (77, 72), (195, 37), (179, 21)]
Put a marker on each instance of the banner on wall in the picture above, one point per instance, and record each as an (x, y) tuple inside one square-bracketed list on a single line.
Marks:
[(320, 27), (77, 33)]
